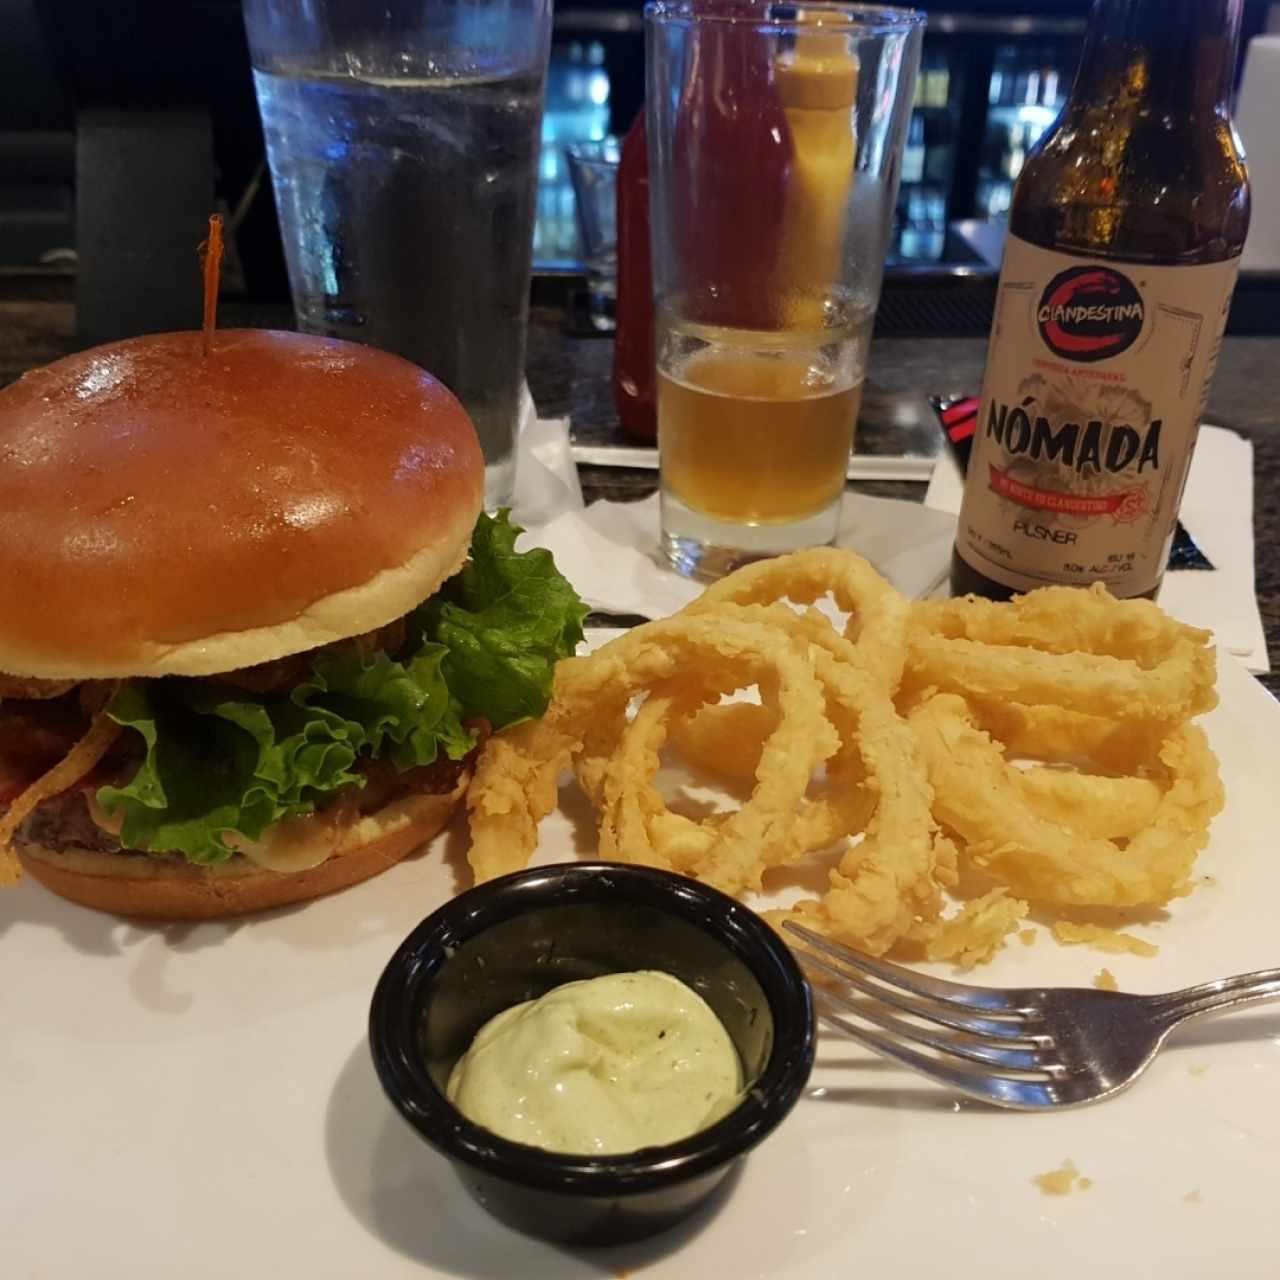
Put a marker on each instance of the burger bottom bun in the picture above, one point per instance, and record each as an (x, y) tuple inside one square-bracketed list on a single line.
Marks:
[(167, 888)]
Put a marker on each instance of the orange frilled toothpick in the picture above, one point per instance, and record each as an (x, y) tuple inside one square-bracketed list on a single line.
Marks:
[(211, 257)]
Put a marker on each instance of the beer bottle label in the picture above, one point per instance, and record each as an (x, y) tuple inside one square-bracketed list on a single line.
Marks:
[(1097, 373)]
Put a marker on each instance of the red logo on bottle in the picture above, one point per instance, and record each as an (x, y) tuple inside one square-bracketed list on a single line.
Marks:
[(1124, 506), (1090, 313)]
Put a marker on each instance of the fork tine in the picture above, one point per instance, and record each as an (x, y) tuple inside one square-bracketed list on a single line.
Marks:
[(1020, 1094), (989, 998), (1003, 1056), (953, 1016)]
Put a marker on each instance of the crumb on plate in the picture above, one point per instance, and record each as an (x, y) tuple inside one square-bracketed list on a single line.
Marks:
[(1063, 1181), (978, 930), (1103, 939), (1194, 1197), (1198, 1068), (1027, 937), (1105, 980)]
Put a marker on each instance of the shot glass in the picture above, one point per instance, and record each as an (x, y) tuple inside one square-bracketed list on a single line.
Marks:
[(403, 140), (775, 144), (593, 171)]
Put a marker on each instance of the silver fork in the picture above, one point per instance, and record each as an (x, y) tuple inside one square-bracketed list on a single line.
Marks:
[(1029, 1048)]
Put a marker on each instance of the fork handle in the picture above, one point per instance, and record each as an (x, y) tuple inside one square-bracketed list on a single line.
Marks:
[(1221, 996)]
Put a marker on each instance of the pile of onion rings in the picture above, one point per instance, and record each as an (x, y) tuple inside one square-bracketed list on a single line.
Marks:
[(957, 764)]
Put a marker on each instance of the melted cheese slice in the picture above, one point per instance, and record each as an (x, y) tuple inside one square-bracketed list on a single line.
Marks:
[(296, 844)]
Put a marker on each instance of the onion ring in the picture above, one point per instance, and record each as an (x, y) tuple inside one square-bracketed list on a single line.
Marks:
[(878, 612), (844, 806), (1060, 646), (884, 887), (841, 808), (635, 823), (1042, 861), (515, 786), (600, 686), (725, 741), (1061, 736), (1089, 804), (1040, 744)]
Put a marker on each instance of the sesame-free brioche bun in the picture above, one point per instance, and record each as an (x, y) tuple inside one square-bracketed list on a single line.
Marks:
[(163, 512), (169, 888)]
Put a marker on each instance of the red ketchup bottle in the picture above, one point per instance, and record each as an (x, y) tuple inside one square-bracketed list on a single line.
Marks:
[(731, 159), (732, 156), (634, 372)]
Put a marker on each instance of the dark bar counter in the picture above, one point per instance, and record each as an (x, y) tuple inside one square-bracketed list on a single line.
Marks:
[(569, 376)]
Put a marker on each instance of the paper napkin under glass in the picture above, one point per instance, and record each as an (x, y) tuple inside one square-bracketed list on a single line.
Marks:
[(610, 551), (546, 475)]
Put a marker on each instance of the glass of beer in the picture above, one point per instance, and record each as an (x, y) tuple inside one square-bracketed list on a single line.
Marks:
[(775, 140)]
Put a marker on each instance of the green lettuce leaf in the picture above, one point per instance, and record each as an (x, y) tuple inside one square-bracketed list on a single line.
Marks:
[(379, 704), (505, 621), (215, 765), (223, 760)]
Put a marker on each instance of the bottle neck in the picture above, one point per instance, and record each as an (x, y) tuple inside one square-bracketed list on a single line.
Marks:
[(1157, 50)]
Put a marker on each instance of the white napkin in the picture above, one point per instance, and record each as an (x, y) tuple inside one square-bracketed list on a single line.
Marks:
[(1217, 511), (610, 551), (546, 475), (1257, 108)]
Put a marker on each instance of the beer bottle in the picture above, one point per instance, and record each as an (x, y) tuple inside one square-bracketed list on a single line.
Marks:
[(1125, 234)]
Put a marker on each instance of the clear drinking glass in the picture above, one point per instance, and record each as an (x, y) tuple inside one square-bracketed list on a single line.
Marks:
[(593, 170), (403, 140), (775, 144)]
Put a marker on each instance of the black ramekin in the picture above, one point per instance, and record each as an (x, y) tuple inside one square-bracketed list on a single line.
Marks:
[(515, 938)]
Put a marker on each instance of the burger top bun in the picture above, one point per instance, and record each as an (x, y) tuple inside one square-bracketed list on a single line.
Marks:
[(163, 512)]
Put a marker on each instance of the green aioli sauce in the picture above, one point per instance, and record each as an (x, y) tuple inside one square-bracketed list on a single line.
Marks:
[(600, 1067)]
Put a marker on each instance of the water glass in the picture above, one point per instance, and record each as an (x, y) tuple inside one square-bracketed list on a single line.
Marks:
[(593, 171), (403, 140), (775, 145)]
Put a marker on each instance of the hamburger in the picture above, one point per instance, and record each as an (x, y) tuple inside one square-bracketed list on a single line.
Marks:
[(254, 625)]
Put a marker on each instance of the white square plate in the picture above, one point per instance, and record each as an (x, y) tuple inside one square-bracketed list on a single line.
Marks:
[(199, 1101)]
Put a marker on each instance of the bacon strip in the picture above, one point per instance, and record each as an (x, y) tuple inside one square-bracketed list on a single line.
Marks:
[(82, 758), (28, 687)]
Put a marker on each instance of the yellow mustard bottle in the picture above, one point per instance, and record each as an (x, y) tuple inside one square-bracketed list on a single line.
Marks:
[(817, 84)]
